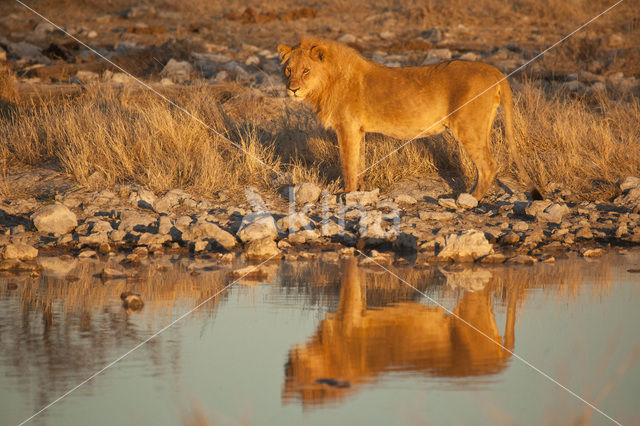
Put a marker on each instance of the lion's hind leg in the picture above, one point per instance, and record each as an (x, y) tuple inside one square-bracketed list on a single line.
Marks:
[(474, 135)]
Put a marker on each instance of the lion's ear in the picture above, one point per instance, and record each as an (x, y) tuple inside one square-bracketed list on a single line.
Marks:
[(318, 52), (283, 51)]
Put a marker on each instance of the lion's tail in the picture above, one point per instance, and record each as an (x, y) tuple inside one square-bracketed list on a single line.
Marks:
[(507, 102)]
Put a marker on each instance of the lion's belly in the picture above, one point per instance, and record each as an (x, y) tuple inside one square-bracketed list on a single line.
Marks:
[(407, 124)]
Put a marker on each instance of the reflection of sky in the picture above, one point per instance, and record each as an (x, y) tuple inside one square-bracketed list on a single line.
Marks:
[(231, 364)]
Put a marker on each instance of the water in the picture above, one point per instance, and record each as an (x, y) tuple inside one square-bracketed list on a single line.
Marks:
[(317, 342)]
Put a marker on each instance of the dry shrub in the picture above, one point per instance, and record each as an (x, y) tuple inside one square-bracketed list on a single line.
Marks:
[(106, 137), (584, 144)]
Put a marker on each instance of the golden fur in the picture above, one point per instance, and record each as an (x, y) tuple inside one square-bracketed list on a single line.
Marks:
[(353, 96)]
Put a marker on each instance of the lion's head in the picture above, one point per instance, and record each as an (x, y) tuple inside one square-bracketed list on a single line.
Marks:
[(304, 68)]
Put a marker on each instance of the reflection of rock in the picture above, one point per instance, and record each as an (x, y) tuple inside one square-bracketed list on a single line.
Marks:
[(132, 302), (57, 266), (470, 279)]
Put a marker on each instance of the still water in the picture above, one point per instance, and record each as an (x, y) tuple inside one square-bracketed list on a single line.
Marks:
[(322, 342)]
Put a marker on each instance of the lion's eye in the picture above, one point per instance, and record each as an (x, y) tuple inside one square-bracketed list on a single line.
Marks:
[(305, 71)]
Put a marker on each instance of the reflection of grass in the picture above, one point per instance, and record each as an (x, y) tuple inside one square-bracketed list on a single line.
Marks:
[(82, 291)]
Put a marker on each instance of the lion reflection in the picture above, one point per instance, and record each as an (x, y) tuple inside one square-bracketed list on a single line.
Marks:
[(355, 345)]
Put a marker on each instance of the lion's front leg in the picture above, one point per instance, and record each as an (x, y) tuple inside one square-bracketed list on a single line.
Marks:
[(350, 141)]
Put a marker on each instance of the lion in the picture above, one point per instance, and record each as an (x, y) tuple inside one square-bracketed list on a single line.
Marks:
[(353, 96)]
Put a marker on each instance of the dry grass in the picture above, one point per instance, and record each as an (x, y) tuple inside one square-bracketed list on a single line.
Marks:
[(107, 136)]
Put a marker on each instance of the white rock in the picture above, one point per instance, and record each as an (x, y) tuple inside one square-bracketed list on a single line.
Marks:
[(362, 197), (54, 219), (256, 226), (177, 71), (466, 201), (465, 247), (347, 38), (630, 182), (294, 222)]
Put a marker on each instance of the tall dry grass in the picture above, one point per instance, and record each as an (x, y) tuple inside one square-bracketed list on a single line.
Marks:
[(107, 136)]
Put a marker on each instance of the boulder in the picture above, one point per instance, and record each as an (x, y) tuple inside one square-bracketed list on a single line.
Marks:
[(256, 226), (295, 222), (466, 201), (362, 197), (19, 251), (465, 247), (306, 192), (54, 219), (261, 248), (211, 232), (177, 71), (134, 221), (554, 213)]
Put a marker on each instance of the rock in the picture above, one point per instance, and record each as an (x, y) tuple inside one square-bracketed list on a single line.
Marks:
[(554, 213), (520, 226), (164, 225), (171, 200), (257, 226), (442, 54), (494, 258), (466, 201), (536, 207), (19, 251), (134, 221), (117, 235), (448, 203), (177, 71), (143, 198), (149, 239), (437, 216), (132, 302), (405, 199), (85, 254), (211, 232), (261, 248), (94, 239), (347, 38), (433, 35), (592, 252), (362, 197), (101, 226), (54, 219), (585, 233), (630, 182), (24, 50), (387, 35), (522, 260), (294, 222), (575, 86), (465, 247), (469, 56), (303, 236), (112, 273), (306, 192), (510, 238)]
